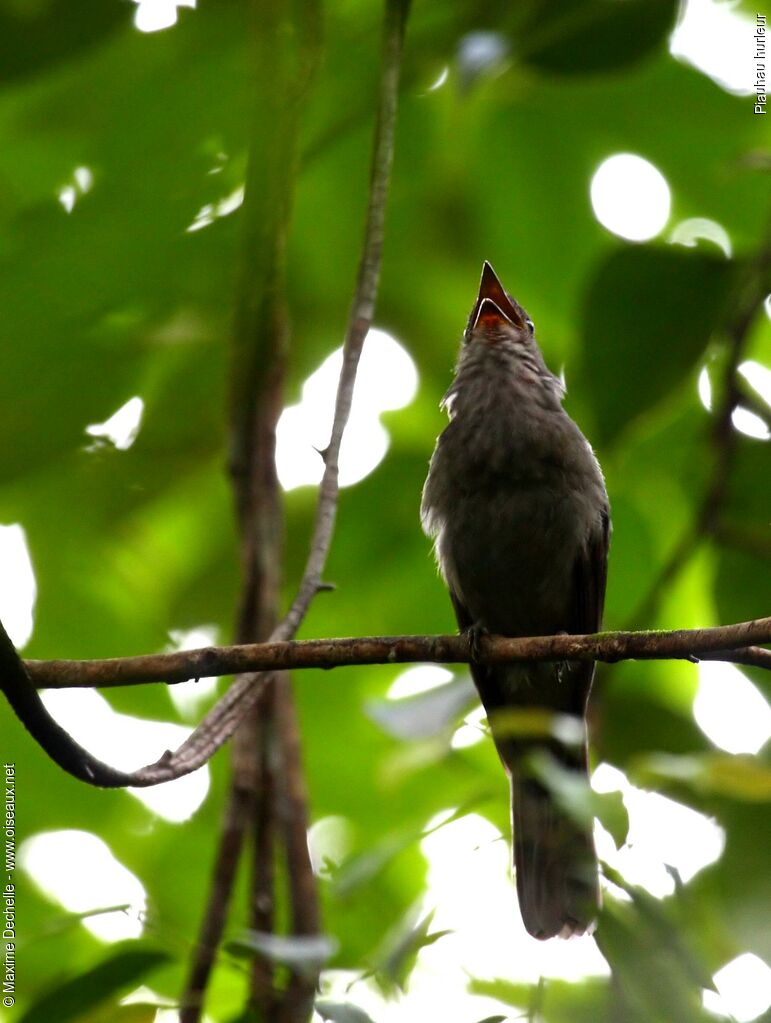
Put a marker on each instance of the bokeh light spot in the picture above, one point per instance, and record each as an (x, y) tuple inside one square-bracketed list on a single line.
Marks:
[(154, 15), (18, 590), (419, 679), (731, 710), (440, 79), (387, 379), (759, 379), (79, 870), (662, 834), (188, 696), (743, 989), (714, 37), (690, 232), (122, 428), (630, 197), (705, 389), (127, 742)]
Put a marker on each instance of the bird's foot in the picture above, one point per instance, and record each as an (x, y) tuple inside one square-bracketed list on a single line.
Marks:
[(475, 634), (562, 667)]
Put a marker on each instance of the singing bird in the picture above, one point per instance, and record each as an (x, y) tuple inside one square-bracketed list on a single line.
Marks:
[(516, 503)]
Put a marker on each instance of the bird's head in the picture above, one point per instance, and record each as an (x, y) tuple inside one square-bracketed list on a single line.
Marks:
[(496, 316)]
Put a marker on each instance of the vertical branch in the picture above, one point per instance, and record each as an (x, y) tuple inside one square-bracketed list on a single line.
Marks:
[(292, 822), (362, 309), (258, 742), (238, 811), (298, 1000), (250, 411), (284, 41)]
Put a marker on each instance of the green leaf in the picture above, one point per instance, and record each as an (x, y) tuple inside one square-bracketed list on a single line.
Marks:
[(36, 35), (738, 777), (656, 917), (746, 502), (539, 722), (552, 1000), (571, 790), (516, 994), (304, 953), (576, 798), (341, 1012), (640, 942), (74, 998), (647, 316), (361, 868), (611, 811), (742, 584), (427, 714), (396, 960), (581, 37), (136, 1012)]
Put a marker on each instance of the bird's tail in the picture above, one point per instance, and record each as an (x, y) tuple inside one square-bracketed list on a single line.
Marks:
[(554, 858)]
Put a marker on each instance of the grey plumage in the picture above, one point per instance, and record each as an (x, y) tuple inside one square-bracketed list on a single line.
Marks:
[(516, 503)]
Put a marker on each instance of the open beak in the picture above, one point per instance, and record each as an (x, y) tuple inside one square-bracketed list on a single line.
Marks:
[(493, 306), (489, 315)]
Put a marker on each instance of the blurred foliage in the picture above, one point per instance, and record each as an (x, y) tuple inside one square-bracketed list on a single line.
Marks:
[(117, 299), (117, 973)]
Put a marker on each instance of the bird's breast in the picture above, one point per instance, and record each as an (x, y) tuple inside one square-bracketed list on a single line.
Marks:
[(512, 508)]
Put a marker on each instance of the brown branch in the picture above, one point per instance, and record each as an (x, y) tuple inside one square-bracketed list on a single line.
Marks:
[(285, 45), (292, 824), (237, 811), (256, 411), (724, 642), (718, 644), (751, 656), (257, 748), (361, 314), (19, 690)]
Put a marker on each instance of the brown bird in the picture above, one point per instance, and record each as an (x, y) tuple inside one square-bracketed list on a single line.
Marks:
[(516, 503)]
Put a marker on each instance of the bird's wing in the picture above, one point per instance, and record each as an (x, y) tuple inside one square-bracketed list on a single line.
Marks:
[(590, 574), (462, 615)]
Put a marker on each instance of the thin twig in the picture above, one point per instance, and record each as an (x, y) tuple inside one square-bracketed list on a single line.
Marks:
[(751, 294), (360, 317), (752, 540), (751, 656), (724, 642)]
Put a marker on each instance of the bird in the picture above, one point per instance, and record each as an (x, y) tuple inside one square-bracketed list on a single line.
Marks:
[(516, 504)]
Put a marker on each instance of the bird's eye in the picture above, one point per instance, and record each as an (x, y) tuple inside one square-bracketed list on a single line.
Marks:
[(530, 325)]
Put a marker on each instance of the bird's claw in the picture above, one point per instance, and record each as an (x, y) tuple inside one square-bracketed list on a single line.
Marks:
[(475, 634)]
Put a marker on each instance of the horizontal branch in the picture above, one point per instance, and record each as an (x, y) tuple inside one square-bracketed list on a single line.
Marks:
[(726, 643)]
